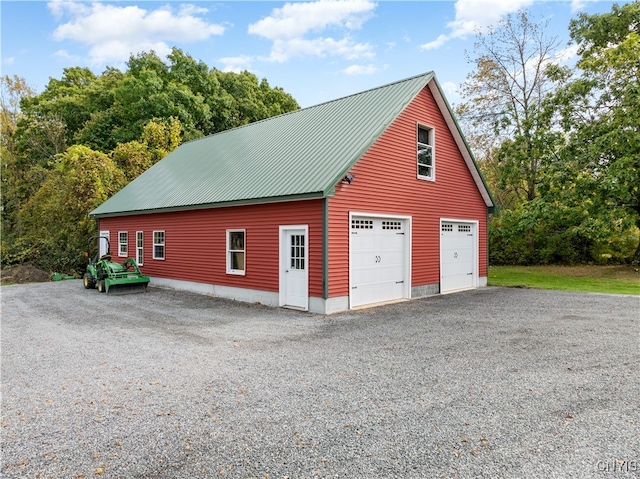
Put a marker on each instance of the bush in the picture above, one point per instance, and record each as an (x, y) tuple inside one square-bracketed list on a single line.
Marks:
[(540, 233), (17, 252)]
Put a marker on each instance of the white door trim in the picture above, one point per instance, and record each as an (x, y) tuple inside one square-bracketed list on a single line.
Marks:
[(476, 248), (283, 259), (407, 249)]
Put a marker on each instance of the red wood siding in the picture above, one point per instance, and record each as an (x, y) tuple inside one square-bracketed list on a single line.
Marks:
[(195, 242), (386, 183)]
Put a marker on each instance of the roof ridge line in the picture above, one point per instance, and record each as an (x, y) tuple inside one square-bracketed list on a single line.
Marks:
[(360, 92), (314, 106)]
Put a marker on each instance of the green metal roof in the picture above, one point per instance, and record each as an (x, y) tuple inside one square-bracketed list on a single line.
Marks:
[(301, 154)]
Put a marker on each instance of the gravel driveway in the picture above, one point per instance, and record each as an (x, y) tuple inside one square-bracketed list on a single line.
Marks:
[(492, 383)]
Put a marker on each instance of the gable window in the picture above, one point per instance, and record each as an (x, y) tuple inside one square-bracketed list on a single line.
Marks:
[(158, 245), (123, 243), (236, 251), (139, 247), (426, 153)]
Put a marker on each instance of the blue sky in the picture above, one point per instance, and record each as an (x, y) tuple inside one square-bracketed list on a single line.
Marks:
[(317, 51)]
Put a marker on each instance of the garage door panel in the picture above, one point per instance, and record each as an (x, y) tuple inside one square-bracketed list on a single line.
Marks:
[(378, 264), (368, 242), (457, 256), (390, 242)]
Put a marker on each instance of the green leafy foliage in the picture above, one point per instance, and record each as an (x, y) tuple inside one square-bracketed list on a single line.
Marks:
[(67, 149), (505, 108), (564, 160), (158, 139), (55, 220), (543, 232), (600, 110)]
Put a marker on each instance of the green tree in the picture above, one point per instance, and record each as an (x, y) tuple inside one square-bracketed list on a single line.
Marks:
[(505, 107), (600, 114), (143, 94), (560, 147), (64, 100), (204, 101), (159, 138), (132, 119), (53, 119), (55, 220), (103, 111), (246, 99), (16, 175)]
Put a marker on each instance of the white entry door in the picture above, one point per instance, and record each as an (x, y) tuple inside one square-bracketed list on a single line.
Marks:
[(294, 267), (458, 255), (379, 260)]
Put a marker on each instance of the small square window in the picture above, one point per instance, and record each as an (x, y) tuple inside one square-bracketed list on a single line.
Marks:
[(426, 153), (236, 252), (158, 245)]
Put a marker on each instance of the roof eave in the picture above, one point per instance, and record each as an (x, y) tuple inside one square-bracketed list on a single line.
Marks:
[(222, 204)]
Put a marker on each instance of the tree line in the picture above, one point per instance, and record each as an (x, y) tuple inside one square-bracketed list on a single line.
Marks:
[(66, 150), (559, 146)]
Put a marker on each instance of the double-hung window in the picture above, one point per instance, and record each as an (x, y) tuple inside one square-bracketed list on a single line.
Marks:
[(139, 247), (123, 243), (158, 245), (426, 153), (236, 251)]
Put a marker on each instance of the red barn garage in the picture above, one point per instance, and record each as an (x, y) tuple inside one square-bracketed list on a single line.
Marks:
[(370, 198)]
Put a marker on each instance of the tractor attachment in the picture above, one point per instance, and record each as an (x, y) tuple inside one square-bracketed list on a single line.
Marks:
[(111, 277)]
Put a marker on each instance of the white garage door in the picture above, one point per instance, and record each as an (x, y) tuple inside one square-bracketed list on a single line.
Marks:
[(458, 256), (379, 264)]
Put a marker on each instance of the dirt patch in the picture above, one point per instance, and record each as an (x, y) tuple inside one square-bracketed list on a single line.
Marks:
[(24, 273)]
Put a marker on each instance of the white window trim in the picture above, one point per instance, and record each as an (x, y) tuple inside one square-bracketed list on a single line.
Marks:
[(432, 144), (139, 249), (240, 272), (164, 243), (121, 244)]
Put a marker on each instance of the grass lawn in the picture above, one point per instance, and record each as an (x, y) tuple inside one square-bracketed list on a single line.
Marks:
[(595, 279)]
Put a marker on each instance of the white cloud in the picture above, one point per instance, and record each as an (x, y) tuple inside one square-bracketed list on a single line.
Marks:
[(437, 43), (297, 19), (472, 15), (297, 29), (61, 7), (577, 5), (66, 55), (236, 64), (354, 70), (9, 60), (283, 50), (187, 9), (113, 32), (567, 55), (451, 92)]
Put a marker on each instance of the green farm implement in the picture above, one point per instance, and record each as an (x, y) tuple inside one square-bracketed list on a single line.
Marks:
[(112, 277)]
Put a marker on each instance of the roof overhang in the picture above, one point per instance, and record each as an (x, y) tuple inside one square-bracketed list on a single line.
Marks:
[(224, 204)]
